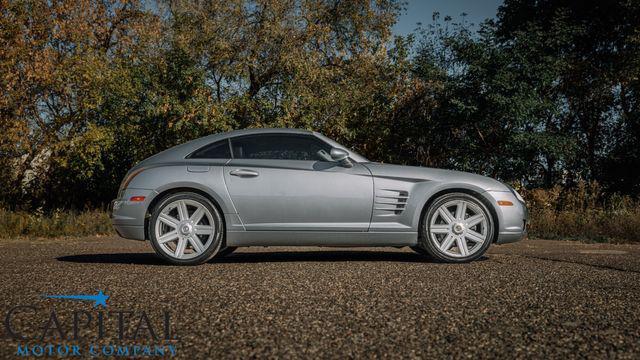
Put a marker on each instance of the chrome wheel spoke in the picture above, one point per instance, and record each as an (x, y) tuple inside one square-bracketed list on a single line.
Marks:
[(183, 213), (182, 245), (169, 220), (203, 229), (197, 215), (462, 246), (475, 220), (446, 215), (170, 236), (447, 242), (440, 229), (461, 209), (474, 236), (196, 243)]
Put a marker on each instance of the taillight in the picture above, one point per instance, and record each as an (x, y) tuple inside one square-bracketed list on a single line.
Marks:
[(127, 180)]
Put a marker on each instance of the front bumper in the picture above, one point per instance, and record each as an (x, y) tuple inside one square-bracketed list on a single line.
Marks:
[(512, 220), (128, 217)]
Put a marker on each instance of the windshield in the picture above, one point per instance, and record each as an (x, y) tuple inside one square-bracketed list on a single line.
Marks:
[(352, 154)]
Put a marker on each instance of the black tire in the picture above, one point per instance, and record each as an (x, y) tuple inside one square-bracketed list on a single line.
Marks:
[(420, 250), (212, 247), (427, 244), (226, 251)]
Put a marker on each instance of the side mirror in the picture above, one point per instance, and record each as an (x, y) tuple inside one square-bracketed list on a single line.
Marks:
[(341, 156), (338, 154)]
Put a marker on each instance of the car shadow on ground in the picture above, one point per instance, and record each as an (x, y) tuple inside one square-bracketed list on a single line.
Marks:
[(259, 257)]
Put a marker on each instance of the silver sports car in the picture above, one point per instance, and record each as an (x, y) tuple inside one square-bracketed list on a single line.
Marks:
[(263, 187)]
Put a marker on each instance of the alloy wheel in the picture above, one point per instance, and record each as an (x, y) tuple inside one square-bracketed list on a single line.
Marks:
[(185, 229), (458, 228)]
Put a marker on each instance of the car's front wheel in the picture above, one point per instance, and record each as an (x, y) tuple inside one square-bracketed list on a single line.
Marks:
[(457, 227), (186, 229)]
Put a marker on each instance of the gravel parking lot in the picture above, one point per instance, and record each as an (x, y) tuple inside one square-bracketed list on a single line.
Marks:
[(534, 298)]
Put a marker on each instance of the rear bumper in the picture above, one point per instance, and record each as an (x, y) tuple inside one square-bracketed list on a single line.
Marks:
[(128, 217), (130, 232)]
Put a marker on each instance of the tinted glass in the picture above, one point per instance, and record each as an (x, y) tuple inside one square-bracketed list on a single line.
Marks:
[(278, 147), (217, 150)]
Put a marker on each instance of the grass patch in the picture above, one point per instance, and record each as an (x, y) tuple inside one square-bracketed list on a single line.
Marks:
[(58, 223), (594, 225), (580, 213)]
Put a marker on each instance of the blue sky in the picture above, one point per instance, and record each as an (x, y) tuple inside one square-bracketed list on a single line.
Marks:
[(421, 11)]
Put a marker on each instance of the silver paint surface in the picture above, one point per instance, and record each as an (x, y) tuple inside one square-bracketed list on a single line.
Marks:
[(296, 202)]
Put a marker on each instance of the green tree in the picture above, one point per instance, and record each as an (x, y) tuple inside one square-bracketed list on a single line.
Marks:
[(545, 94), (321, 65), (496, 111), (56, 61), (598, 85)]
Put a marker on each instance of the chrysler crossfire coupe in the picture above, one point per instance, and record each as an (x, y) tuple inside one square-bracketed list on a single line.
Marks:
[(286, 187)]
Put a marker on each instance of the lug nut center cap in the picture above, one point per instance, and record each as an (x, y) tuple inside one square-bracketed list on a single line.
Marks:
[(458, 228), (185, 229)]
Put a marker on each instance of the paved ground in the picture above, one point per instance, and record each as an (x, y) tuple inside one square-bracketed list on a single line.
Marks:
[(534, 298)]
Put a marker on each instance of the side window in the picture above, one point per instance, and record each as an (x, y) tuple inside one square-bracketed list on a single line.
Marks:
[(216, 150), (279, 147)]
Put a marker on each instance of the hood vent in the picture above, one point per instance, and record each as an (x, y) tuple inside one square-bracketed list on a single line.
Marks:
[(391, 202)]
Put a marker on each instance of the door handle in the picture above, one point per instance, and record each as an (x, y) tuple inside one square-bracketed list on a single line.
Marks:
[(244, 173)]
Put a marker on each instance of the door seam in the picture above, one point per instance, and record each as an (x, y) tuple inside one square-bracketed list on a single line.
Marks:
[(224, 180)]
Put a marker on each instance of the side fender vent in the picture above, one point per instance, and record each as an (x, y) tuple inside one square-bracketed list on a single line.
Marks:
[(390, 202)]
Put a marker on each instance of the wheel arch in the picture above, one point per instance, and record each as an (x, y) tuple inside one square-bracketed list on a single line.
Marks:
[(178, 189), (477, 193)]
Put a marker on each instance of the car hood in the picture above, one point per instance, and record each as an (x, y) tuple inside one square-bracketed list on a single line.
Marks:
[(415, 173)]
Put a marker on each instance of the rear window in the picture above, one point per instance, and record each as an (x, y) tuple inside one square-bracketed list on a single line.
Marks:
[(216, 150)]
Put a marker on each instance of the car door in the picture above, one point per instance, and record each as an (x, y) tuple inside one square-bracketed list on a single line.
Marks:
[(279, 182)]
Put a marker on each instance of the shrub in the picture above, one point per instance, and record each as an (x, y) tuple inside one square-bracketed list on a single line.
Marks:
[(57, 223), (582, 212)]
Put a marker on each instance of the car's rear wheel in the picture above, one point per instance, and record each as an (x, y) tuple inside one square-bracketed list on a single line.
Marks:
[(457, 227), (186, 229), (226, 251)]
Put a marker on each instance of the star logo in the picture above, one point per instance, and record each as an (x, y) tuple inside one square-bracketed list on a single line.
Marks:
[(100, 299)]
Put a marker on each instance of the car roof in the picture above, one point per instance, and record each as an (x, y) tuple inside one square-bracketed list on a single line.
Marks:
[(197, 143), (243, 132), (179, 152), (265, 131)]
